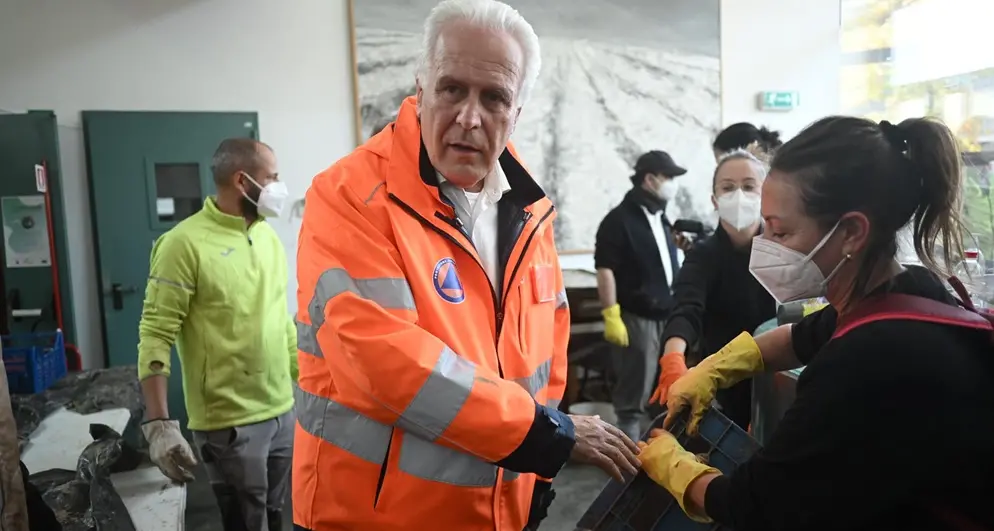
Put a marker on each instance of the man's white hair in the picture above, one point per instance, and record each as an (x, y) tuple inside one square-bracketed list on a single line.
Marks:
[(489, 14)]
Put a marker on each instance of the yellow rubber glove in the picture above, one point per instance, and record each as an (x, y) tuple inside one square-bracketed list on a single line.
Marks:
[(614, 328), (673, 468), (672, 367), (736, 361)]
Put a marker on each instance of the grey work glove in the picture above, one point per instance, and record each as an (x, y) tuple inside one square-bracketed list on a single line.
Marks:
[(169, 450)]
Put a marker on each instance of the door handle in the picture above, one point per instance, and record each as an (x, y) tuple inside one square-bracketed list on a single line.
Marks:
[(117, 293)]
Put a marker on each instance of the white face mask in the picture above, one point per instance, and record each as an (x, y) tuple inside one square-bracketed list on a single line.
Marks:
[(738, 208), (667, 189), (272, 198), (787, 274)]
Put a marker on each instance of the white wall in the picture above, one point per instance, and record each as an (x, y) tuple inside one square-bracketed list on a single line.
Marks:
[(779, 45), (291, 64)]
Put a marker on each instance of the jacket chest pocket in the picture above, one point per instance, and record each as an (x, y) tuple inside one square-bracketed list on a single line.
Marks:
[(536, 324)]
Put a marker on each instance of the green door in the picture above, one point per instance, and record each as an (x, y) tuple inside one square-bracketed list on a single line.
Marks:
[(148, 171), (27, 141)]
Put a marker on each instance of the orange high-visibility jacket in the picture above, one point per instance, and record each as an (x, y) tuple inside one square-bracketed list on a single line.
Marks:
[(426, 399)]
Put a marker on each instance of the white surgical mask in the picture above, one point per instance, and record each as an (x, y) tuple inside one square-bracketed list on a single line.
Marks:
[(738, 208), (272, 198), (787, 274), (667, 189)]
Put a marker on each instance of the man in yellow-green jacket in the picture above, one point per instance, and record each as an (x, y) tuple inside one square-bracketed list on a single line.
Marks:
[(217, 290)]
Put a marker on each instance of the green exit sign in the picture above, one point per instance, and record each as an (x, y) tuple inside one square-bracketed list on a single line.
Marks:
[(778, 100)]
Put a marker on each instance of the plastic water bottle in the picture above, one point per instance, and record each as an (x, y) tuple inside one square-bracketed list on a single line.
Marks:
[(971, 272)]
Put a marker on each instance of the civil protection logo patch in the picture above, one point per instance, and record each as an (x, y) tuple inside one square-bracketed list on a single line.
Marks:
[(446, 281)]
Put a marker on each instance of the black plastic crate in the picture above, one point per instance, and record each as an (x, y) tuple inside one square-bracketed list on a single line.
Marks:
[(642, 505)]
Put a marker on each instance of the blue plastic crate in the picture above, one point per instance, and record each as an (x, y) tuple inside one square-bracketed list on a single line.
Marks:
[(642, 505), (34, 361)]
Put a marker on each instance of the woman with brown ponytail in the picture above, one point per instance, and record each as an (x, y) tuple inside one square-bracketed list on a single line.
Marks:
[(891, 426)]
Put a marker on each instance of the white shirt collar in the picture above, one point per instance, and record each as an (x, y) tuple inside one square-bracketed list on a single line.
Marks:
[(495, 184)]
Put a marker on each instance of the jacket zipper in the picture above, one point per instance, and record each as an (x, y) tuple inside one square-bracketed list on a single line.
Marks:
[(456, 224), (524, 251), (500, 323), (498, 304), (424, 221)]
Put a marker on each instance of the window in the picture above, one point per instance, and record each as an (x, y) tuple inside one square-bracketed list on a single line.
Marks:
[(907, 58), (178, 193)]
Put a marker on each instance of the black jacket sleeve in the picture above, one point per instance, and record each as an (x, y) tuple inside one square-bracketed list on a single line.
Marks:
[(609, 243), (690, 292), (841, 456), (547, 445), (811, 333)]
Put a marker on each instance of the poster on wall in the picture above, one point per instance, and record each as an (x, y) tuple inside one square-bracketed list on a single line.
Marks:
[(25, 231), (619, 78)]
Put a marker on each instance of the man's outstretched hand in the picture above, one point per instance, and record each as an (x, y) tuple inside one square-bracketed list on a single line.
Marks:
[(605, 446)]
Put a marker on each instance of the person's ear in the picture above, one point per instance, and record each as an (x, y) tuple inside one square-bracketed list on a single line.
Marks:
[(855, 228), (714, 201), (242, 182)]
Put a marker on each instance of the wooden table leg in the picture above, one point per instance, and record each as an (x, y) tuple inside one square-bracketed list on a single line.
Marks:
[(13, 507)]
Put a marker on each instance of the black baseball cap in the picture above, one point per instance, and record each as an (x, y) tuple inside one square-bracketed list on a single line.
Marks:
[(658, 162)]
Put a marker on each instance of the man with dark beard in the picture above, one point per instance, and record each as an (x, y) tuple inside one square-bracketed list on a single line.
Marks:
[(637, 258), (217, 291)]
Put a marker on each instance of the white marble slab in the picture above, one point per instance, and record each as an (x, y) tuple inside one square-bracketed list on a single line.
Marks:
[(59, 440), (154, 502)]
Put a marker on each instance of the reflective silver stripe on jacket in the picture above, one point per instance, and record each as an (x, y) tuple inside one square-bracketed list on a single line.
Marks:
[(181, 285), (369, 440), (561, 301), (389, 293), (341, 426), (440, 398), (423, 421), (537, 380), (307, 339), (426, 417)]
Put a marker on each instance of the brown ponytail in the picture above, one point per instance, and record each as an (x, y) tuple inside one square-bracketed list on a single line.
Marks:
[(935, 160)]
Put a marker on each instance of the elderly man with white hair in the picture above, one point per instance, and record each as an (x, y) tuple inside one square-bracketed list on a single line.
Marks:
[(433, 321)]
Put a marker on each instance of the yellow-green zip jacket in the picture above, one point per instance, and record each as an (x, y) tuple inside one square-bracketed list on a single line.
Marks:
[(217, 289)]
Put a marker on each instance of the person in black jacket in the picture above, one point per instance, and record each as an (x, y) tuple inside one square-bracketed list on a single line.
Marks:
[(636, 256), (890, 428), (716, 296)]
